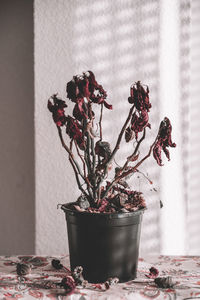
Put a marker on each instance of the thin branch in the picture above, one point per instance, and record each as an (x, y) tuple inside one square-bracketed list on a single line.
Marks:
[(134, 153), (77, 178), (131, 170), (119, 138), (93, 155), (81, 157), (100, 121), (69, 152)]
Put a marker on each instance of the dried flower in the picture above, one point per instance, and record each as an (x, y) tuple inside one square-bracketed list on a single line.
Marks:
[(138, 123), (57, 110), (163, 141), (56, 264), (86, 86), (140, 97), (73, 129), (23, 269), (165, 282), (153, 273)]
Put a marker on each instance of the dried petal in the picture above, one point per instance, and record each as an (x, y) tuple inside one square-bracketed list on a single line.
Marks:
[(68, 284), (57, 110), (86, 86), (163, 141), (73, 129), (56, 264), (129, 134), (153, 273), (165, 282), (140, 97), (23, 269)]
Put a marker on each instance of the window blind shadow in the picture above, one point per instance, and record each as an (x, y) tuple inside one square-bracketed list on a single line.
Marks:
[(119, 41)]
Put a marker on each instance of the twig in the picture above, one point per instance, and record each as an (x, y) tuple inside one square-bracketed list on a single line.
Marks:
[(69, 152), (100, 121), (131, 170), (77, 178), (119, 139), (81, 157), (134, 153)]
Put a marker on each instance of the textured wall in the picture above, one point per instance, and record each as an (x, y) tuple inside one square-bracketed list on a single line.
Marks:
[(119, 41), (17, 218)]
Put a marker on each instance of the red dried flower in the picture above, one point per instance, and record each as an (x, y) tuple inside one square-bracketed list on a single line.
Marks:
[(86, 86), (140, 97), (57, 110), (163, 141), (139, 123), (140, 119), (73, 129)]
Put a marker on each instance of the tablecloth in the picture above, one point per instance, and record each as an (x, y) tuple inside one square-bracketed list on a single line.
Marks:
[(184, 270)]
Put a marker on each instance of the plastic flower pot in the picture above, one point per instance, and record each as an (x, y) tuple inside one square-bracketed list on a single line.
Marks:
[(105, 245)]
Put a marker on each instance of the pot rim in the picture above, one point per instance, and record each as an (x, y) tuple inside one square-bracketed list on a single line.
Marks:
[(116, 215)]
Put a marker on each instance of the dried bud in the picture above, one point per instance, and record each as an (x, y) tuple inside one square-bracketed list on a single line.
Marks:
[(56, 264), (23, 269), (164, 282), (129, 134), (153, 273)]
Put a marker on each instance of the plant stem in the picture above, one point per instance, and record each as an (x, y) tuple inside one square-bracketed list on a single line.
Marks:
[(134, 153), (100, 121), (119, 139), (133, 169), (77, 178)]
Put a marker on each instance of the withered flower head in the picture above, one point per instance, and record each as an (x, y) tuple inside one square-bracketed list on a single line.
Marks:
[(57, 110), (140, 118), (163, 141), (73, 129), (86, 86), (140, 97), (138, 123)]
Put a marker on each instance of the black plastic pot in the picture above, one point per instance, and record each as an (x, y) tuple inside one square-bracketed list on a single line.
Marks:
[(105, 245)]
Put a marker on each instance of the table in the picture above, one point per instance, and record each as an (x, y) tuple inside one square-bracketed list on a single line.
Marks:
[(184, 270)]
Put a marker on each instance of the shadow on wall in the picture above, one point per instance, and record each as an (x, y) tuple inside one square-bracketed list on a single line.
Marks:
[(17, 215), (119, 41)]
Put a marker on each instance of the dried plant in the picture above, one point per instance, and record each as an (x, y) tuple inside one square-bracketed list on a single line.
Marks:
[(91, 157)]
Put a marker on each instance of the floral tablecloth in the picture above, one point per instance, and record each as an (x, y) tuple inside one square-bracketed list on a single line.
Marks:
[(184, 270)]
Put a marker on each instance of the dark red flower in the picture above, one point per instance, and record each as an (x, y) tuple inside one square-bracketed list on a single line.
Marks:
[(86, 86), (138, 123), (140, 97), (73, 129), (153, 273), (57, 110), (79, 111), (163, 141)]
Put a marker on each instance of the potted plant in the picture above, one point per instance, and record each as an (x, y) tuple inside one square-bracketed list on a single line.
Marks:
[(104, 223)]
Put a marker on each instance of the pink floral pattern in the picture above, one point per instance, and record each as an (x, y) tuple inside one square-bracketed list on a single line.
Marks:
[(41, 282)]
